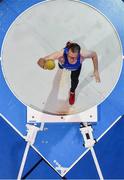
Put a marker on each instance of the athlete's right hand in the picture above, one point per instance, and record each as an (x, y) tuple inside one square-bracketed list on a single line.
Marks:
[(41, 62)]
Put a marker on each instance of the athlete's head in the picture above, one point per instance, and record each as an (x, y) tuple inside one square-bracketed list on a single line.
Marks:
[(74, 50)]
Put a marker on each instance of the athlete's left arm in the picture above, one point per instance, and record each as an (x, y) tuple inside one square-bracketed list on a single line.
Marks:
[(93, 55)]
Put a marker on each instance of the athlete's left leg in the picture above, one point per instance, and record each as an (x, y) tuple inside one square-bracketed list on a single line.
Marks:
[(75, 79), (74, 84)]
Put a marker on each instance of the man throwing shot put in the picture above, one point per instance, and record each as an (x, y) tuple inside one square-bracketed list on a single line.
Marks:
[(71, 58)]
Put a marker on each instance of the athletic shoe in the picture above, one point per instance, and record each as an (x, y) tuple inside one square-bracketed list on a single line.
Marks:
[(71, 98)]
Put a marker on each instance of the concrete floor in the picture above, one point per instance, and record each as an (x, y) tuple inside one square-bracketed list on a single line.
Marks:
[(37, 33)]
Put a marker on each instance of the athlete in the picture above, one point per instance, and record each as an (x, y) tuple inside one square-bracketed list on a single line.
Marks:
[(71, 58)]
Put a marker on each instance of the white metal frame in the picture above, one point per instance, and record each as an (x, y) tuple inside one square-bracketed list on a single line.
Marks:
[(86, 116), (87, 133)]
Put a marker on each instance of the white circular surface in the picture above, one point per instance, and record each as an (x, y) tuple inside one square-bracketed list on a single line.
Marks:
[(45, 28)]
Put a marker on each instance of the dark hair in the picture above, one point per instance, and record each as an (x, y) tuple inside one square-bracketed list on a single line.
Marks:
[(75, 48)]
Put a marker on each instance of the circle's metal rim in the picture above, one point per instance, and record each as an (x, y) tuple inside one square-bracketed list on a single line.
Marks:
[(62, 115)]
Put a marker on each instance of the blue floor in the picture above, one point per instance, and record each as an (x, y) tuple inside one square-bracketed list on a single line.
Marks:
[(110, 153), (109, 149), (11, 151)]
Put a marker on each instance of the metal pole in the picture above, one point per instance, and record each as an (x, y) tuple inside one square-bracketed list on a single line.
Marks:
[(23, 161), (96, 163)]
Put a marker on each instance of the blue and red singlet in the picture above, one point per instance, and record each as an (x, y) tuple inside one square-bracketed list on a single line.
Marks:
[(67, 65)]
